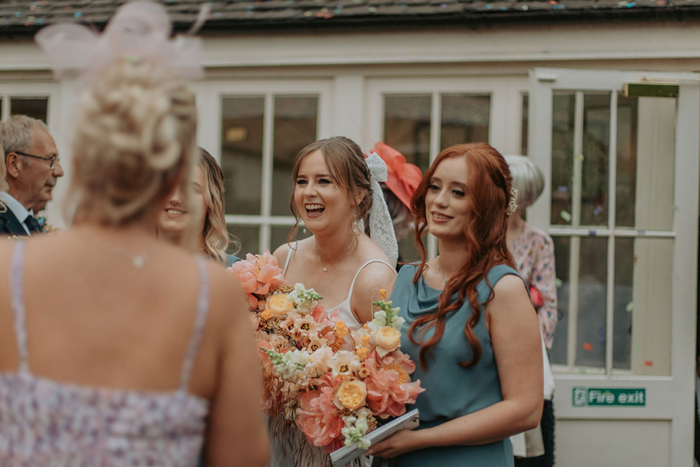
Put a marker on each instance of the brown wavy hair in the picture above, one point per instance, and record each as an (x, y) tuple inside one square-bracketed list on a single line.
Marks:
[(488, 194), (348, 169), (216, 236)]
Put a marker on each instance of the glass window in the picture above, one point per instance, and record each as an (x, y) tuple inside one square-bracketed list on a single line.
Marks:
[(638, 263), (35, 107), (295, 128), (241, 153), (464, 119), (407, 127), (249, 238), (594, 159), (563, 114)]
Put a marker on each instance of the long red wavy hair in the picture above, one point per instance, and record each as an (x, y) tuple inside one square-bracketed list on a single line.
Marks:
[(488, 196)]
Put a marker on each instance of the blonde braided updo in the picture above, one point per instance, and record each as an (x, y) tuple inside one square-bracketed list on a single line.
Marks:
[(135, 139)]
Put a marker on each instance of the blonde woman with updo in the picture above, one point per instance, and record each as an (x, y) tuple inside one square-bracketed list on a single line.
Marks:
[(334, 195), (117, 348), (206, 218)]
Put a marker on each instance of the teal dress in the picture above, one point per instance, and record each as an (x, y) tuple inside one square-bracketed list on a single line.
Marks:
[(451, 391)]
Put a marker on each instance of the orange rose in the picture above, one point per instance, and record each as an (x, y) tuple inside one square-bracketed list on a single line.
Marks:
[(352, 394), (387, 338), (279, 305)]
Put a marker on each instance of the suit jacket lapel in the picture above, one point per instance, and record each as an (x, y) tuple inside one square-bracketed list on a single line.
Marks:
[(11, 225)]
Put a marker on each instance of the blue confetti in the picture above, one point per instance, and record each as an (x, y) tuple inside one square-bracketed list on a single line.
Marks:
[(78, 14), (41, 21), (18, 14), (630, 5), (488, 7)]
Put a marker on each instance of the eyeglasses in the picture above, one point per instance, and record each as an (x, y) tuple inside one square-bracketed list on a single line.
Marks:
[(52, 160)]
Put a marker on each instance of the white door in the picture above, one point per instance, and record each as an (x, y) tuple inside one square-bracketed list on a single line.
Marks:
[(620, 153)]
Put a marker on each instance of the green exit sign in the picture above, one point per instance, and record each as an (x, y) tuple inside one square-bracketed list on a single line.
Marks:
[(599, 397)]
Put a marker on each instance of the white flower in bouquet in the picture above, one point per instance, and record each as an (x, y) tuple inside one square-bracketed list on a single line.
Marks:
[(344, 363), (354, 431), (304, 300)]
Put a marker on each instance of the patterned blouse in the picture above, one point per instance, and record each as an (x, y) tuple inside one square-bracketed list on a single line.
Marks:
[(533, 251), (50, 423)]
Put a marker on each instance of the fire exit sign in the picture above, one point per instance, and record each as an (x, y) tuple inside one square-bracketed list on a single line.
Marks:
[(600, 397)]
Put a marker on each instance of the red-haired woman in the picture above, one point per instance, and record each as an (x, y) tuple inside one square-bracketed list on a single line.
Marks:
[(469, 320)]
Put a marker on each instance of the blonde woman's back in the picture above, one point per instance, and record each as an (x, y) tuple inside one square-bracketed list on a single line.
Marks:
[(114, 358)]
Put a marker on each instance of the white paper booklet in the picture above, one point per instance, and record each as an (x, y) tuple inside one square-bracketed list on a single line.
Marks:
[(346, 454)]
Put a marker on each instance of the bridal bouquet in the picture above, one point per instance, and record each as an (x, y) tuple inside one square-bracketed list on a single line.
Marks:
[(332, 382)]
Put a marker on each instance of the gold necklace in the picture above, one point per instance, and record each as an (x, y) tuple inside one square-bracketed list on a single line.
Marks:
[(326, 266), (439, 268)]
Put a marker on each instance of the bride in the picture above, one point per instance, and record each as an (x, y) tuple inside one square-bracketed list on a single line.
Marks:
[(336, 193)]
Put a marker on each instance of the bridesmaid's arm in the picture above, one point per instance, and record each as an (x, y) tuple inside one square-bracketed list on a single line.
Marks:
[(237, 433), (515, 335), (373, 278)]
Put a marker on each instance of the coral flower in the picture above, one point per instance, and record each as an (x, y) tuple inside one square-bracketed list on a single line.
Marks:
[(387, 393), (257, 274), (317, 415)]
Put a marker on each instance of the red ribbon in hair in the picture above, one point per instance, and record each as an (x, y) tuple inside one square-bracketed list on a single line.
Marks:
[(402, 178)]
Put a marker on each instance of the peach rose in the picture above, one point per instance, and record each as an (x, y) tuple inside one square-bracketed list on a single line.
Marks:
[(387, 338), (279, 305), (351, 395)]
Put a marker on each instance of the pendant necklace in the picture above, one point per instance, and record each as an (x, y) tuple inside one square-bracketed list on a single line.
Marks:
[(326, 266), (439, 268), (138, 260)]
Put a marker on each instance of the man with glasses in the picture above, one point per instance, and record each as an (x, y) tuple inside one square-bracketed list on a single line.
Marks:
[(32, 169)]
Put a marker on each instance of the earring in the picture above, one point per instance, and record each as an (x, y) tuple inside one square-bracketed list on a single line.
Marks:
[(304, 231), (355, 228)]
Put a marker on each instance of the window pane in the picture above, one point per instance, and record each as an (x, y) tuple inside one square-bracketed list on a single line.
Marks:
[(626, 182), (248, 236), (562, 254), (643, 281), (563, 111), (407, 127), (241, 152), (523, 126), (623, 303), (295, 127), (32, 107), (279, 236), (592, 290), (596, 139), (464, 119)]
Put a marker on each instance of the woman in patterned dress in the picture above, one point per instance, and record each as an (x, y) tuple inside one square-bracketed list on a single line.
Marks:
[(533, 252)]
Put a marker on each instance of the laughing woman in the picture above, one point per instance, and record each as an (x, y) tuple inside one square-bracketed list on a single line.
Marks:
[(333, 195), (469, 321)]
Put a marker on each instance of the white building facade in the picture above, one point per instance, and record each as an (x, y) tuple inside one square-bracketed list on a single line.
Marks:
[(621, 200)]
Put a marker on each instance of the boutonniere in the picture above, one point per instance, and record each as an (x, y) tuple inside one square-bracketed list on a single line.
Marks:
[(48, 228)]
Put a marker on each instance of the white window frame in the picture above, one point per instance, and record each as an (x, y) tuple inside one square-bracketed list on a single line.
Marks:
[(210, 95), (505, 120)]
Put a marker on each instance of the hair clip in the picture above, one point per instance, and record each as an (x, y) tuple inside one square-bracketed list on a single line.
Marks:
[(512, 204)]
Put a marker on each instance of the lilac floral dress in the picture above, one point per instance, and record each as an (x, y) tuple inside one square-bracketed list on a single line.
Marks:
[(46, 423), (533, 251)]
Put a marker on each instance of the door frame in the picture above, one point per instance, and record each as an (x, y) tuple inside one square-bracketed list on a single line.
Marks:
[(667, 397)]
